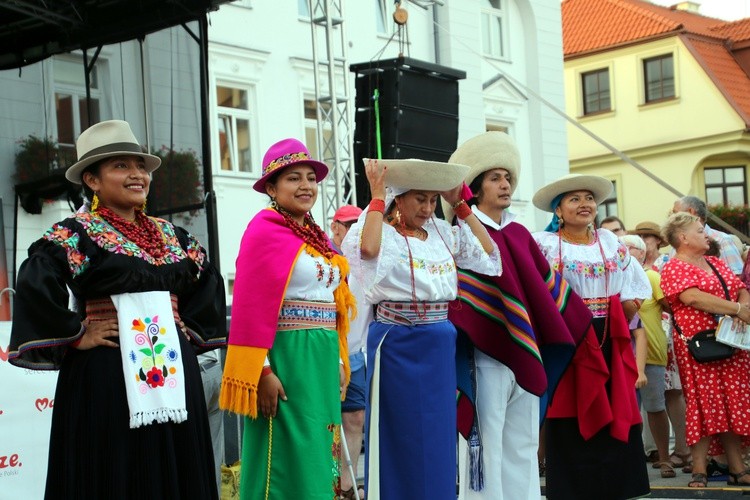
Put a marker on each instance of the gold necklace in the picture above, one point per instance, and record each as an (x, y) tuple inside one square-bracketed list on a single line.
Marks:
[(419, 233), (579, 240)]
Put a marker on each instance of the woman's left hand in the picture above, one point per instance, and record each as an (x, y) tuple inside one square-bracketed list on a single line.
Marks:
[(641, 381), (342, 379), (454, 195), (738, 325)]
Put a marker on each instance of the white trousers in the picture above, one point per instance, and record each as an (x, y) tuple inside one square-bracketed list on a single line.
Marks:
[(509, 427)]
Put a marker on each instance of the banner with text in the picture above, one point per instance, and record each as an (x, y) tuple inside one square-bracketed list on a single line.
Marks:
[(26, 402)]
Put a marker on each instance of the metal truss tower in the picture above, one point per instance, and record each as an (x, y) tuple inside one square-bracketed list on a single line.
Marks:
[(334, 123)]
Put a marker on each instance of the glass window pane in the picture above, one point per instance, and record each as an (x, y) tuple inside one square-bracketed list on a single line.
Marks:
[(83, 112), (735, 195), (380, 16), (243, 145), (224, 126), (714, 196), (498, 36), (734, 174), (229, 97), (303, 8), (311, 142), (713, 176), (486, 35), (310, 110), (64, 113), (69, 72)]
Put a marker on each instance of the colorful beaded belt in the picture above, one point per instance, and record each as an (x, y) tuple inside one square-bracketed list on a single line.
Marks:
[(102, 309), (597, 306), (408, 313), (303, 314)]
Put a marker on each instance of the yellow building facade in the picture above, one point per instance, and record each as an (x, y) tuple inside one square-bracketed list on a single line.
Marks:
[(657, 100)]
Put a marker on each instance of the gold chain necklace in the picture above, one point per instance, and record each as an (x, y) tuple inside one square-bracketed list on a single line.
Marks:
[(579, 240)]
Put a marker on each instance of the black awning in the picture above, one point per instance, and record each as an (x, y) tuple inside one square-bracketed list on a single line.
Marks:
[(32, 30)]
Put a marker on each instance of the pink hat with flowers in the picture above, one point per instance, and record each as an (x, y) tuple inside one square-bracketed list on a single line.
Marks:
[(286, 153)]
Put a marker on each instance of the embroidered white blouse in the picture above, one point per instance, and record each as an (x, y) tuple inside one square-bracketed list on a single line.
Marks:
[(388, 277), (583, 268), (313, 278)]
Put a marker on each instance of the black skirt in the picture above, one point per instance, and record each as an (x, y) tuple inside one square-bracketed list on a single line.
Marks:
[(94, 453), (601, 468)]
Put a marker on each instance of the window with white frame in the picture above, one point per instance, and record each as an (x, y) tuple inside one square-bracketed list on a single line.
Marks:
[(495, 127), (311, 128), (596, 94), (73, 113), (608, 207), (658, 73), (725, 185), (494, 28), (233, 127)]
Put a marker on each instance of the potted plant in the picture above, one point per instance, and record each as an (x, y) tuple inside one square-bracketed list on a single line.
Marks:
[(736, 216), (177, 183), (38, 158)]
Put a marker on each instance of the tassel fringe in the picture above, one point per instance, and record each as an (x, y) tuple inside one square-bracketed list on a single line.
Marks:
[(239, 397), (476, 470)]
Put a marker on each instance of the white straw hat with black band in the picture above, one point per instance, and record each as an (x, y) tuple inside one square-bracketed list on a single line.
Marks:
[(104, 140)]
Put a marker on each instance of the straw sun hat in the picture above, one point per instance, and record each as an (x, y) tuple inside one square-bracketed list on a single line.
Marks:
[(651, 229), (485, 152), (405, 175), (600, 187), (104, 140)]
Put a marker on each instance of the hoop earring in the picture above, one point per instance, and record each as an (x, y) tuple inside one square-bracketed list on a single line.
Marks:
[(273, 204), (94, 203)]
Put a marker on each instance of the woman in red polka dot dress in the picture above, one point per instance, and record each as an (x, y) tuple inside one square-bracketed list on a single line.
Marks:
[(717, 393)]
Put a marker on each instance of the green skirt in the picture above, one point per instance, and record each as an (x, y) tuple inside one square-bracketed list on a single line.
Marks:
[(304, 436)]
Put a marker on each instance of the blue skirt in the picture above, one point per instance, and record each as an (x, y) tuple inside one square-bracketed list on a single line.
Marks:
[(411, 412)]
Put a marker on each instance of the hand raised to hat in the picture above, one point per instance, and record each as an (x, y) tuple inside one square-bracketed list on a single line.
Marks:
[(375, 172), (453, 196)]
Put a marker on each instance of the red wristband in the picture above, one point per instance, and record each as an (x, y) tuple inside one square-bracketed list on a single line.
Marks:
[(377, 205), (462, 210), (266, 371)]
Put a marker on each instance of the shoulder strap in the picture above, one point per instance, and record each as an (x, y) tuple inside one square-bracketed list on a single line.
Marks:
[(721, 280)]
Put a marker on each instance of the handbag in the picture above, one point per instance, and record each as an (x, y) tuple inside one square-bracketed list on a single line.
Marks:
[(704, 346)]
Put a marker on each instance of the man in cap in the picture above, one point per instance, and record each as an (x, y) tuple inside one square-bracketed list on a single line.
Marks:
[(517, 334), (353, 407)]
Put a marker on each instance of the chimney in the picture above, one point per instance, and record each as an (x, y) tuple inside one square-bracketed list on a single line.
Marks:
[(688, 6)]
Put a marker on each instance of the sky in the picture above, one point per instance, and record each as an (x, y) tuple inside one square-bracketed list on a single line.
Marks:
[(728, 10)]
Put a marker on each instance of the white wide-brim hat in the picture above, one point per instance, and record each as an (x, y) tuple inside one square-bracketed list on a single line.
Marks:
[(405, 175), (484, 152), (104, 140), (600, 187)]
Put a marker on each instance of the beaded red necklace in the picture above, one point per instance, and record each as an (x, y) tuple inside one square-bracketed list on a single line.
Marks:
[(310, 233), (142, 231)]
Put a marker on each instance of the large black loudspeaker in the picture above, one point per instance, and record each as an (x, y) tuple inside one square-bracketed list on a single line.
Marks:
[(418, 107)]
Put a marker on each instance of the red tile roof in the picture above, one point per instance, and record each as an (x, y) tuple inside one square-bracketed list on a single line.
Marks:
[(591, 26), (737, 31)]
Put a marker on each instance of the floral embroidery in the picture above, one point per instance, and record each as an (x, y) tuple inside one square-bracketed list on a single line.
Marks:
[(153, 369), (106, 237), (68, 240), (589, 269), (431, 268)]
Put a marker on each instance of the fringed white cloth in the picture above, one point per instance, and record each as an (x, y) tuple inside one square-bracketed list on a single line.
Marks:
[(151, 358)]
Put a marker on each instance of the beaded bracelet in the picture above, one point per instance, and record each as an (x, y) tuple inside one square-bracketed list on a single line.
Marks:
[(266, 371), (462, 209), (377, 205)]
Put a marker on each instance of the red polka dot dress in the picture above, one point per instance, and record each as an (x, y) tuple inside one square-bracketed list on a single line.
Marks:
[(717, 393)]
